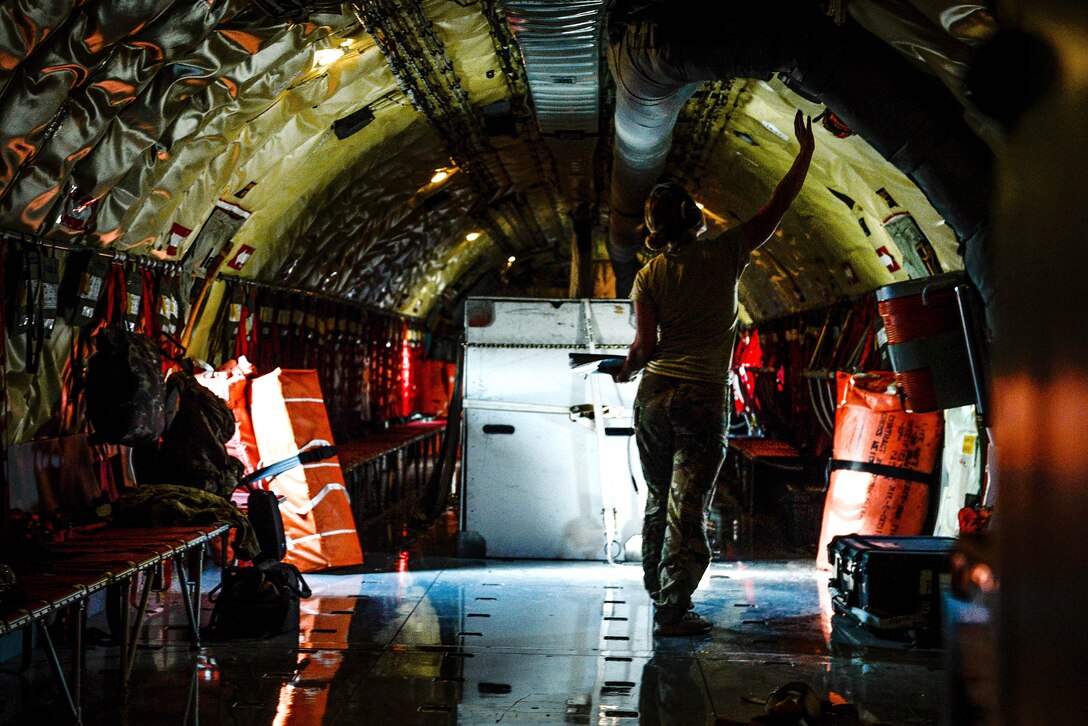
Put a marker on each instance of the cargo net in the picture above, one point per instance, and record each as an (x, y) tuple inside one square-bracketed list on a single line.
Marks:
[(368, 361), (783, 371), (546, 346)]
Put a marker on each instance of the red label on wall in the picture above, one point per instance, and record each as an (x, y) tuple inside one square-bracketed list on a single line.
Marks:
[(79, 210), (886, 258), (178, 234), (241, 257)]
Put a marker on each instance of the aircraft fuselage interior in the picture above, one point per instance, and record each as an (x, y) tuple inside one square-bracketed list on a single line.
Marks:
[(580, 361)]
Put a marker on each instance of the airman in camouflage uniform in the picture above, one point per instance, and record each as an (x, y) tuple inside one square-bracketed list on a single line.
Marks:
[(680, 430), (686, 312)]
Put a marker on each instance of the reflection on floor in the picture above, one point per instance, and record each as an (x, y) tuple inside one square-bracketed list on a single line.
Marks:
[(410, 640)]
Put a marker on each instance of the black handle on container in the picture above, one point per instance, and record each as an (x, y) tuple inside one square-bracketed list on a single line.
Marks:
[(498, 429), (306, 457)]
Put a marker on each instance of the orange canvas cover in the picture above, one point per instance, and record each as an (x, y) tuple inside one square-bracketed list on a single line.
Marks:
[(288, 413), (230, 382), (324, 624), (872, 427), (435, 384)]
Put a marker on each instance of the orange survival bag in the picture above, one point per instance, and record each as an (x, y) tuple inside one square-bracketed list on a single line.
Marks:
[(884, 462), (288, 414)]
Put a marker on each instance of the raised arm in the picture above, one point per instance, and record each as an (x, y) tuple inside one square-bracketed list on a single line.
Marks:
[(638, 355), (762, 225)]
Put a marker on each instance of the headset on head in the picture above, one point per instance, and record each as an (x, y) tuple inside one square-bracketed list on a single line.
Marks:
[(681, 217)]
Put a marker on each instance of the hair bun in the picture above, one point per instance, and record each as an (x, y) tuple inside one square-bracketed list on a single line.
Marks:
[(657, 241)]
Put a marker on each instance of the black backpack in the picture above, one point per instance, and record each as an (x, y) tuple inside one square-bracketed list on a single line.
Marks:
[(126, 395), (257, 602), (193, 451)]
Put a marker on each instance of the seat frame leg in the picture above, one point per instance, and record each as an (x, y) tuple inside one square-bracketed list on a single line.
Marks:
[(71, 697)]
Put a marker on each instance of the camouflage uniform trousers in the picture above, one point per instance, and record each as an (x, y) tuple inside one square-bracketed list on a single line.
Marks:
[(680, 428)]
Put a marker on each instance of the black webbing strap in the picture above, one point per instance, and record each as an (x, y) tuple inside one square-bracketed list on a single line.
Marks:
[(306, 457), (894, 472), (50, 291), (28, 312), (170, 304), (134, 296), (92, 284)]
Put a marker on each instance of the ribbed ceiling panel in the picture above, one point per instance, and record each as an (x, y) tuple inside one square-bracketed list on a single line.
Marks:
[(559, 42), (560, 47)]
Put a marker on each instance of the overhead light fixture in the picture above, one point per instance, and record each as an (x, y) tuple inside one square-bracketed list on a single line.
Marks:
[(699, 205), (440, 175), (352, 123), (472, 236), (774, 130), (511, 260), (328, 56), (745, 138), (347, 44)]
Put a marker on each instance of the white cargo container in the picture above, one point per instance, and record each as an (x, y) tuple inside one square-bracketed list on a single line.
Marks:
[(543, 478)]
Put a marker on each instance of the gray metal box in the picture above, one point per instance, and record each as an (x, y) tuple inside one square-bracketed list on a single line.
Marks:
[(541, 481)]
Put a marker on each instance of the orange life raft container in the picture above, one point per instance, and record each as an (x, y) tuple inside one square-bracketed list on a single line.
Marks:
[(883, 465), (288, 413)]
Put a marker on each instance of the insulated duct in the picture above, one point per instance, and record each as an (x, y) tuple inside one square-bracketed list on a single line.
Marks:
[(659, 53), (559, 43)]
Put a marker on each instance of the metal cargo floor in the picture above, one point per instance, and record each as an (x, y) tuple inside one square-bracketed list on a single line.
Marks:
[(415, 639)]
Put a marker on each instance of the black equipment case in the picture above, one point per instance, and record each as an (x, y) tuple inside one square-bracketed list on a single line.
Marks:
[(890, 582), (263, 600)]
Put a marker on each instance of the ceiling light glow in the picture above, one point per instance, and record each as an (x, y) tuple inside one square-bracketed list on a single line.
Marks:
[(440, 175), (774, 130), (472, 236), (328, 56)]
